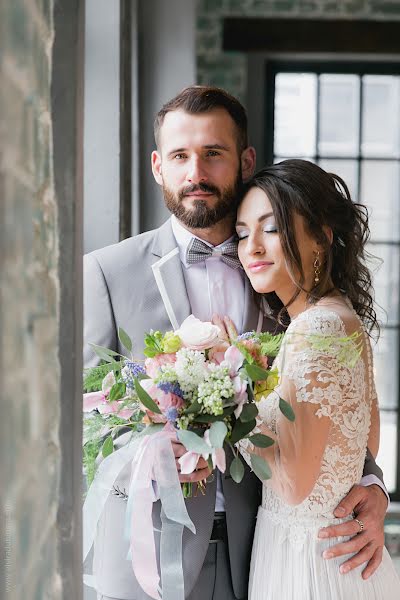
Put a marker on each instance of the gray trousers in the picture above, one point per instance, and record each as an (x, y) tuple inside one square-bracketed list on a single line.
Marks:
[(214, 582)]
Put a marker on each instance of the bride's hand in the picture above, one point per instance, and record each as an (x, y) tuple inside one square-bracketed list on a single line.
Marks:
[(228, 330)]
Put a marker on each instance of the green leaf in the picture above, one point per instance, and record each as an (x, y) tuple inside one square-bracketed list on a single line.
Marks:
[(153, 428), (237, 470), (93, 377), (150, 353), (286, 409), (193, 442), (218, 431), (145, 399), (256, 373), (108, 446), (249, 412), (125, 339), (193, 408), (261, 441), (104, 353), (260, 467), (240, 430), (117, 391)]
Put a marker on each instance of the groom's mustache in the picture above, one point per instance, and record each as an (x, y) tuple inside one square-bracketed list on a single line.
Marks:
[(200, 187)]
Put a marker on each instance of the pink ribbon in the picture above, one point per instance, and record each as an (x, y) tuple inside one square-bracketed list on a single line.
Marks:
[(154, 462)]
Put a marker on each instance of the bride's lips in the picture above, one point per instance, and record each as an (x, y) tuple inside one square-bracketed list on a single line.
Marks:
[(260, 265)]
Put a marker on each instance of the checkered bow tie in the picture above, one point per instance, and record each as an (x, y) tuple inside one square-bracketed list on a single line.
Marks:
[(198, 251)]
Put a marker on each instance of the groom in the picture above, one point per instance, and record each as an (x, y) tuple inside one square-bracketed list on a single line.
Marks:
[(154, 281)]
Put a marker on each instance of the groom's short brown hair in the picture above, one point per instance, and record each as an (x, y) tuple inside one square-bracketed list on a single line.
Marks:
[(200, 99)]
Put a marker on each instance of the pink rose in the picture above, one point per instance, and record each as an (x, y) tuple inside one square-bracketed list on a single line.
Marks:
[(152, 365)]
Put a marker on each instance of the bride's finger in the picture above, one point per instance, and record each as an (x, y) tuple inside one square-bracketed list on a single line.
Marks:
[(217, 320), (230, 328)]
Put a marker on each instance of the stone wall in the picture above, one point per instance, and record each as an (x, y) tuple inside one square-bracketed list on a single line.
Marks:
[(229, 69), (32, 455)]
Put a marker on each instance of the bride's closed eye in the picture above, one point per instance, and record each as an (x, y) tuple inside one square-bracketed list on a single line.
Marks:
[(244, 233)]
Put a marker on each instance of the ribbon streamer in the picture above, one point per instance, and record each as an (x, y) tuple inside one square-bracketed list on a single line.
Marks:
[(154, 476)]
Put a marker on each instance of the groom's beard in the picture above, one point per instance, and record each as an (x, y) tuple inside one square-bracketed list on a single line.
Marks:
[(201, 215)]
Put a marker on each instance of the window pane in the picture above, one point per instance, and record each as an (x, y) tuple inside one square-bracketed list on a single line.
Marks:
[(346, 169), (386, 367), (387, 455), (380, 192), (339, 115), (380, 116), (295, 114), (385, 278)]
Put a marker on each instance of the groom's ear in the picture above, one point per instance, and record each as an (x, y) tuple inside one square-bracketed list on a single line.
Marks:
[(248, 162), (156, 166)]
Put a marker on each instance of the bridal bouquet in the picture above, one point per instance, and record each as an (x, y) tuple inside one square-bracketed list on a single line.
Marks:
[(193, 387), (190, 384)]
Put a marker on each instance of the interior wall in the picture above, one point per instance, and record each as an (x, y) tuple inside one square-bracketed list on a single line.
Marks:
[(40, 442), (167, 64)]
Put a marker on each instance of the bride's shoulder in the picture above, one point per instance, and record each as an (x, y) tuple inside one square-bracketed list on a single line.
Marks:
[(319, 319)]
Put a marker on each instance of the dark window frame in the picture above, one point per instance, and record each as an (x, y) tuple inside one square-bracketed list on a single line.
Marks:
[(331, 67)]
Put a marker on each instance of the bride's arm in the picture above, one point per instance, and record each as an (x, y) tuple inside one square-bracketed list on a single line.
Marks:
[(295, 458)]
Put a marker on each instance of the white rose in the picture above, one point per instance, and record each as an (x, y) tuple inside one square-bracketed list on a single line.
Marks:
[(197, 335)]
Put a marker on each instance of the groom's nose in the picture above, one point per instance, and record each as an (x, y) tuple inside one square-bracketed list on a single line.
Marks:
[(196, 172)]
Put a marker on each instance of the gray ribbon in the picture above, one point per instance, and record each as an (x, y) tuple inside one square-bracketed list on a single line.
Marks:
[(198, 251)]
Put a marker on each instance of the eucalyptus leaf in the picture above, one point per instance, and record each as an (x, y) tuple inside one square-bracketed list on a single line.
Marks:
[(193, 442), (193, 408), (249, 412), (286, 409), (153, 428), (260, 467), (104, 353), (261, 441), (237, 470), (117, 391), (125, 339), (108, 446), (256, 373), (218, 431), (240, 430), (145, 399)]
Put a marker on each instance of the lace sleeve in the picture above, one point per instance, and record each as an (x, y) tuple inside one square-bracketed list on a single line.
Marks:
[(315, 364)]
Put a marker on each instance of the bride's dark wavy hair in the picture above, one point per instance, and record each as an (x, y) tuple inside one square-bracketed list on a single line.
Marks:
[(323, 200)]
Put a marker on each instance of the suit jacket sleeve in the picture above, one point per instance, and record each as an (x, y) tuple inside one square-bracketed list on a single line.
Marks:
[(99, 324), (371, 468)]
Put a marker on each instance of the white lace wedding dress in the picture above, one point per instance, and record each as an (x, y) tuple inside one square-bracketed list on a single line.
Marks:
[(316, 461)]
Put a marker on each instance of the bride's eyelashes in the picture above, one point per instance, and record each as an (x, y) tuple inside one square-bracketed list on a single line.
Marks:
[(244, 233)]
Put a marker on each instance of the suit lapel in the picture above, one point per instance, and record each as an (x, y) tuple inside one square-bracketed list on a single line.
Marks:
[(253, 318), (167, 271)]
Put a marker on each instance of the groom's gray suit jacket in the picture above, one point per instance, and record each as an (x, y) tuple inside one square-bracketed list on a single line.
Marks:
[(139, 285)]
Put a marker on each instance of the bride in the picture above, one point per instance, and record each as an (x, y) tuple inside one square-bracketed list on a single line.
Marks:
[(302, 242)]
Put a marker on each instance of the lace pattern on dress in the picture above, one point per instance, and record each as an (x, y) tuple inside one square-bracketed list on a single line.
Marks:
[(343, 392)]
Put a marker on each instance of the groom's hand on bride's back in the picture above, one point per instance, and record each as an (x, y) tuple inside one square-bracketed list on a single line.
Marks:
[(369, 504), (202, 470)]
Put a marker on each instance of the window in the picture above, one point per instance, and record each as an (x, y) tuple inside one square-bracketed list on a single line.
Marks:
[(346, 118)]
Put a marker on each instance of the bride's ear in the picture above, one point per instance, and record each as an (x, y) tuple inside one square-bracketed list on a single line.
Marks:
[(328, 233)]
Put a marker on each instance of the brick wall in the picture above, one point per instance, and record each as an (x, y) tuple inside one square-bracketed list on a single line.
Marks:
[(228, 69), (29, 306)]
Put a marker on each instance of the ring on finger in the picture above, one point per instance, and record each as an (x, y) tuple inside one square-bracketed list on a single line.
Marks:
[(360, 524)]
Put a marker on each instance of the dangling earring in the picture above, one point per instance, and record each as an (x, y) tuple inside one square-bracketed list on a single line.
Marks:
[(317, 268)]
